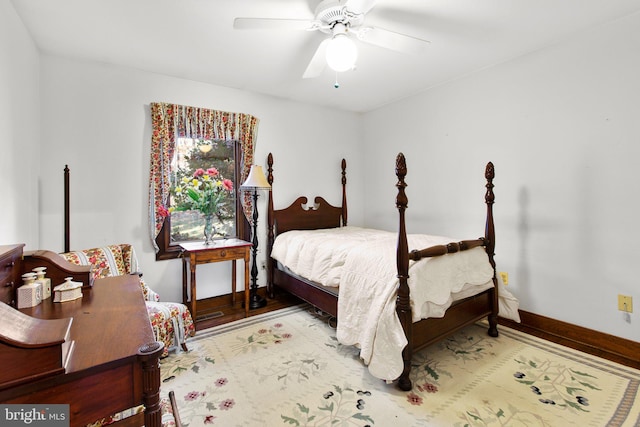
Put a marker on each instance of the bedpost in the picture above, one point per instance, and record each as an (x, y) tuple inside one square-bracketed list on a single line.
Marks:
[(344, 192), (403, 306), (490, 238), (66, 208), (270, 225)]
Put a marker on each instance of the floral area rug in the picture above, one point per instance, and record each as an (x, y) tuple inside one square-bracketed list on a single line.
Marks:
[(286, 368)]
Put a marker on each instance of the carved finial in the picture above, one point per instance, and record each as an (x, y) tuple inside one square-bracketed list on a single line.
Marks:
[(489, 172), (401, 172), (150, 347), (343, 165), (401, 166), (270, 169)]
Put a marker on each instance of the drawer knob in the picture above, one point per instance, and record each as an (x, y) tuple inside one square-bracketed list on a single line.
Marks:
[(8, 284), (10, 264), (223, 253)]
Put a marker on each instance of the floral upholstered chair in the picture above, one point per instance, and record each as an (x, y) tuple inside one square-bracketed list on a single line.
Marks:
[(171, 321)]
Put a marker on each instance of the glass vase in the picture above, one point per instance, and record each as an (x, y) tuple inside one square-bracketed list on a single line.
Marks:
[(209, 229)]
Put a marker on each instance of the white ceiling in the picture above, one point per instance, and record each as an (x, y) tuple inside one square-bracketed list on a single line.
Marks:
[(195, 39)]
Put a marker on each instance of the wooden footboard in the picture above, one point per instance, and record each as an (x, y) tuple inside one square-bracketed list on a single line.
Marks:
[(458, 316)]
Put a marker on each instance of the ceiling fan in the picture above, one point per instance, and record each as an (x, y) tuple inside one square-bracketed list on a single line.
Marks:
[(342, 20)]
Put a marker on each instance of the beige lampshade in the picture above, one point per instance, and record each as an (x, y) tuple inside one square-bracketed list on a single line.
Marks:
[(256, 180)]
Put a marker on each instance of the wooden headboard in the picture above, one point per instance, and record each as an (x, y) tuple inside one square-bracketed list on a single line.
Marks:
[(299, 215)]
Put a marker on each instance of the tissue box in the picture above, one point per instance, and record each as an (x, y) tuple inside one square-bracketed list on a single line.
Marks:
[(29, 295)]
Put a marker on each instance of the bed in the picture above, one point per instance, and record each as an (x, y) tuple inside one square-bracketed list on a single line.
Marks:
[(397, 330)]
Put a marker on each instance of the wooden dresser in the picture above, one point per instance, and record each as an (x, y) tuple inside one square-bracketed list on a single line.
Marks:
[(10, 272), (113, 364)]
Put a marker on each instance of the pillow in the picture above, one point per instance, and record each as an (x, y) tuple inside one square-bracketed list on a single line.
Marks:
[(105, 261)]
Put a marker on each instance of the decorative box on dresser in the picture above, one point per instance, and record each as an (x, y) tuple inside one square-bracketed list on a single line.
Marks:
[(10, 271)]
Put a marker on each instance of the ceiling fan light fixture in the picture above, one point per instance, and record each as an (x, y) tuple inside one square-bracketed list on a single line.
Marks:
[(341, 53)]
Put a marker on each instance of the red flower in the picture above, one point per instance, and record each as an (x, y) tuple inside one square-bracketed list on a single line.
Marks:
[(414, 399), (428, 387), (227, 184), (198, 172), (163, 212), (212, 172), (192, 395), (227, 404)]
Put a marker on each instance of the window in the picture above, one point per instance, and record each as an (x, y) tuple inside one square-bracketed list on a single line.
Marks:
[(189, 156), (184, 139), (182, 226)]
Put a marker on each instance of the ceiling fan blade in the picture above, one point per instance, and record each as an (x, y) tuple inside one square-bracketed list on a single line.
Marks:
[(391, 40), (360, 6), (318, 61), (273, 23)]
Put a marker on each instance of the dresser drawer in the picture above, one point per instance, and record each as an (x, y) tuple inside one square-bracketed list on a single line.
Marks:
[(221, 254), (10, 268)]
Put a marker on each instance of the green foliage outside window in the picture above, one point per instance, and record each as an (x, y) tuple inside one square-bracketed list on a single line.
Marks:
[(191, 155)]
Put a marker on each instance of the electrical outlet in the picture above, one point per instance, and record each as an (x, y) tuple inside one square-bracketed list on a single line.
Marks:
[(625, 303), (505, 277)]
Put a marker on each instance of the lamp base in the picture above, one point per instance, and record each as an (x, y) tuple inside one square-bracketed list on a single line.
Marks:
[(256, 301)]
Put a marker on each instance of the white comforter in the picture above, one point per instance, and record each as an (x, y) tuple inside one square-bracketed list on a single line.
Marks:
[(363, 263)]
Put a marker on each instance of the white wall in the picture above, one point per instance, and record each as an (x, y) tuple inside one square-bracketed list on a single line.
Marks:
[(19, 131), (562, 126), (96, 119)]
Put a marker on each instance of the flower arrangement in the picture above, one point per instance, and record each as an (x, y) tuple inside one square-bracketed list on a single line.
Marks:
[(206, 191)]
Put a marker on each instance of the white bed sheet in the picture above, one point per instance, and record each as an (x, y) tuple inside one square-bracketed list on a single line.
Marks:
[(363, 263)]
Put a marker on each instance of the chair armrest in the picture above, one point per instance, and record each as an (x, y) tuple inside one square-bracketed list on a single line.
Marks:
[(149, 294)]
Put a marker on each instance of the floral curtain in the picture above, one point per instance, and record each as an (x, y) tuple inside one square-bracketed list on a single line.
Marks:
[(171, 121)]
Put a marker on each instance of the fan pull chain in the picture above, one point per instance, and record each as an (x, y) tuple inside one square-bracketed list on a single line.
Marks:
[(336, 84)]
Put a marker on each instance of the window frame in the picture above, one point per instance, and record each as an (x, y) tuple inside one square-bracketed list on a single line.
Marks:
[(167, 250)]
